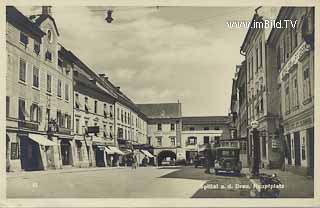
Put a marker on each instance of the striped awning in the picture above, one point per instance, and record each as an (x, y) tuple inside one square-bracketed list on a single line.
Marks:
[(41, 139), (148, 154)]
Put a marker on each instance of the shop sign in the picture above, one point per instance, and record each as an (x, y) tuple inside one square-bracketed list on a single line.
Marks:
[(294, 59), (301, 123), (275, 144)]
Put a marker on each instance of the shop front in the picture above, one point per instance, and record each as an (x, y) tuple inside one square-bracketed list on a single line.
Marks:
[(33, 149), (299, 140), (100, 153)]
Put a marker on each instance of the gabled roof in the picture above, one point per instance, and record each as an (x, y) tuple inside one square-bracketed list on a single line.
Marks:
[(161, 110), (17, 19), (206, 120), (249, 33), (42, 17)]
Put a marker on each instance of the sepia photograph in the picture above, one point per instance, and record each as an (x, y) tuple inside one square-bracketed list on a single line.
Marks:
[(159, 102)]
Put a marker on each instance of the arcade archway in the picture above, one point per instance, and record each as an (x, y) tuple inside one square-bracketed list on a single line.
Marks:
[(166, 155)]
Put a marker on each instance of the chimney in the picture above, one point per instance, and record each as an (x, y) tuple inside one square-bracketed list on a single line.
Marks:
[(102, 75), (46, 10)]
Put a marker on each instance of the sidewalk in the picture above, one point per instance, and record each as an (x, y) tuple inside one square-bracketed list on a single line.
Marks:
[(295, 186), (58, 171)]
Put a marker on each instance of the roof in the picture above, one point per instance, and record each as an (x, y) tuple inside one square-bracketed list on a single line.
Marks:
[(206, 119), (17, 19), (249, 32), (161, 110), (42, 17)]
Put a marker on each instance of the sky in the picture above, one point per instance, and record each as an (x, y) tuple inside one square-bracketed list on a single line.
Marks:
[(162, 54)]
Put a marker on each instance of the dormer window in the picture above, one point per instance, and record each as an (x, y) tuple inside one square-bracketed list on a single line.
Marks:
[(36, 47), (48, 56), (24, 39)]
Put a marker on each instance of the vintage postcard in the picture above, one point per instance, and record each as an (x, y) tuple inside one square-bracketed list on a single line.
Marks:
[(154, 104)]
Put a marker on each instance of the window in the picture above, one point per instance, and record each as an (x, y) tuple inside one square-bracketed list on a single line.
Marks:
[(172, 127), (77, 125), (24, 39), (22, 70), (121, 116), (191, 128), (306, 82), (303, 148), (206, 128), (159, 127), (59, 88), (7, 106), (278, 58), (251, 67), (35, 77), (261, 105), (48, 56), (95, 106), (149, 140), (36, 47), (192, 141), (159, 141), (287, 97), (111, 111), (295, 101), (216, 128), (173, 141), (35, 113), (118, 114), (49, 79), (260, 53), (50, 37), (257, 59), (77, 102), (22, 109), (104, 131), (111, 130), (14, 151), (60, 63), (206, 140), (86, 123)]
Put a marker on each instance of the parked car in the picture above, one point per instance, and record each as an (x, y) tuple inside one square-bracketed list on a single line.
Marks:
[(227, 160), (199, 161)]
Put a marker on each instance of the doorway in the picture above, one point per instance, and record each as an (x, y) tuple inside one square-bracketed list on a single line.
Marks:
[(297, 157), (66, 152), (30, 154), (310, 135)]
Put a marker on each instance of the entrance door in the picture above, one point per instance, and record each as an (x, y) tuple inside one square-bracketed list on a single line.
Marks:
[(65, 152), (30, 154), (99, 157), (289, 149), (310, 135), (297, 157)]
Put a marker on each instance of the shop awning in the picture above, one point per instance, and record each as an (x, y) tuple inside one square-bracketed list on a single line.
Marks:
[(148, 154), (202, 148), (108, 151), (115, 150), (41, 139)]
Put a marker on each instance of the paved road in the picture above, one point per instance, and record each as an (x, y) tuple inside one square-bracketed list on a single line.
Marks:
[(114, 183)]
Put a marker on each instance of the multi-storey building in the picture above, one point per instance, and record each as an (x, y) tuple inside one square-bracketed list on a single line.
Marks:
[(239, 111), (164, 129), (39, 101), (262, 94), (200, 131), (293, 55), (94, 103)]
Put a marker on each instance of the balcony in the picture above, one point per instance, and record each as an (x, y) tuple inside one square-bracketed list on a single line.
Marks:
[(53, 127), (28, 125)]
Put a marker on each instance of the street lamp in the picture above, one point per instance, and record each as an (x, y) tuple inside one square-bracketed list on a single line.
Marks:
[(256, 150)]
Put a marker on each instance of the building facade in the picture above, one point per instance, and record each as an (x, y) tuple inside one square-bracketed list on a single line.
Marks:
[(294, 54), (164, 129), (39, 98), (200, 131), (262, 95), (238, 108)]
